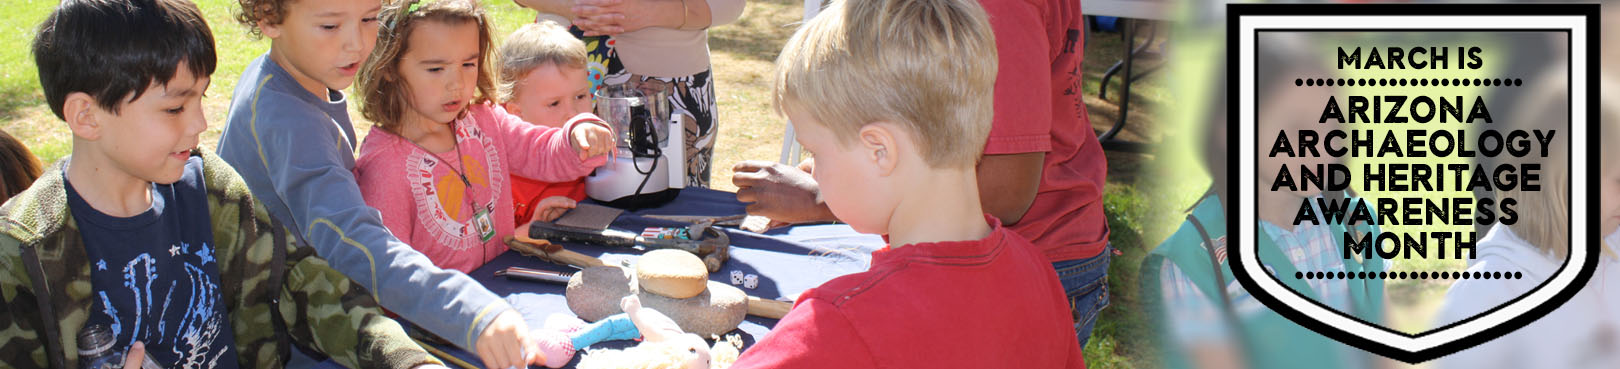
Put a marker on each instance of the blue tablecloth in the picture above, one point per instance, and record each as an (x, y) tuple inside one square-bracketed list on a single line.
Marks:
[(788, 261)]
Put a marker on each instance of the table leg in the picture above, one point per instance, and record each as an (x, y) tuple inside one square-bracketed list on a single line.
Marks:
[(1107, 138)]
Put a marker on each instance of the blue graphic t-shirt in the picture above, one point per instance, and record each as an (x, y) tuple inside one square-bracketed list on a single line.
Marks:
[(154, 276)]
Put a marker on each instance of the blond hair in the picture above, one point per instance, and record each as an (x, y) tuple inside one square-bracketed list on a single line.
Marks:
[(928, 65), (1543, 215), (384, 97), (532, 46), (1609, 122)]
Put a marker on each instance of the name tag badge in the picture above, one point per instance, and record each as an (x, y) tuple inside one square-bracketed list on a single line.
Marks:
[(485, 225)]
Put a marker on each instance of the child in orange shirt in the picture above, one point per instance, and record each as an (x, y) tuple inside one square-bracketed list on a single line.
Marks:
[(543, 81)]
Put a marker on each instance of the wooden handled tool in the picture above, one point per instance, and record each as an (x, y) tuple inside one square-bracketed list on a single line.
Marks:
[(768, 308), (552, 253), (701, 239)]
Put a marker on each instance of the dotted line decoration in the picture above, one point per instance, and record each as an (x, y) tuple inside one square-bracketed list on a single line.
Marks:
[(1404, 82), (1408, 275)]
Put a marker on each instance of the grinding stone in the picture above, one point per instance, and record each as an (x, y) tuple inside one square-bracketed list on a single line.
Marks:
[(717, 310), (594, 293), (671, 273)]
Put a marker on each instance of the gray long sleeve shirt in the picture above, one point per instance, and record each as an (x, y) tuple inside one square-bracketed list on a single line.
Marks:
[(296, 151)]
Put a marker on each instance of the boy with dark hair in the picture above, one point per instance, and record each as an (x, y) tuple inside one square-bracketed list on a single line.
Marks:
[(156, 241)]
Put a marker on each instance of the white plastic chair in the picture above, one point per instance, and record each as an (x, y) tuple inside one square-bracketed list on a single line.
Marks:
[(790, 146)]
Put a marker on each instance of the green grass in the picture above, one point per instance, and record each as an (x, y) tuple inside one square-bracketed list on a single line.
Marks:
[(22, 109), (742, 54), (1136, 200), (19, 81), (1123, 337)]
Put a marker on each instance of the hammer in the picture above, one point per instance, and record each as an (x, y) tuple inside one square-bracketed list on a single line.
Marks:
[(706, 241)]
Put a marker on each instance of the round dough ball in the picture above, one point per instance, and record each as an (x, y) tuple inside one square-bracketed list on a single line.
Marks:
[(674, 274)]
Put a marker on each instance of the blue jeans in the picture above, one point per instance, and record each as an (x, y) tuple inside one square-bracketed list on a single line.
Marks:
[(1085, 282)]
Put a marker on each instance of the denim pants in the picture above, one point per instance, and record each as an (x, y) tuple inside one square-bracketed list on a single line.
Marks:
[(1085, 282)]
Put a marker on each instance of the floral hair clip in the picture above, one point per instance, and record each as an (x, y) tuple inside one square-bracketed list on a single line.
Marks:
[(394, 23)]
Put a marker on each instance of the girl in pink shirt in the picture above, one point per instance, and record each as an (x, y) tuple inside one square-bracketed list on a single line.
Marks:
[(438, 164)]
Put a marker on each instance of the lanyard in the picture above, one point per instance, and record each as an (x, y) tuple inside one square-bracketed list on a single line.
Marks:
[(482, 223), (455, 141)]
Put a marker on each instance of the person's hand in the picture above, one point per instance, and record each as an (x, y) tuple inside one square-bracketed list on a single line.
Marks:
[(136, 355), (780, 192), (612, 17), (551, 208), (808, 166), (562, 8), (505, 343), (521, 233), (591, 140)]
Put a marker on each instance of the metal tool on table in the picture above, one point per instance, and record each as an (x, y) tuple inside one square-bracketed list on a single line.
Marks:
[(588, 216), (702, 239), (746, 222), (534, 275), (721, 221)]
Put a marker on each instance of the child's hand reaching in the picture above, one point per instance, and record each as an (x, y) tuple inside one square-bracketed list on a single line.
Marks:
[(591, 137), (505, 343), (551, 208)]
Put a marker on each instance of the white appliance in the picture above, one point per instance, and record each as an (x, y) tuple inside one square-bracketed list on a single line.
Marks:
[(650, 167)]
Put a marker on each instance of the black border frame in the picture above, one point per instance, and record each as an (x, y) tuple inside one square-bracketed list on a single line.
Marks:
[(1570, 166), (1593, 33)]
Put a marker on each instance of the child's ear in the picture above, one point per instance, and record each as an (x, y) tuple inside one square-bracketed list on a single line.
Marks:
[(514, 109), (267, 29), (83, 116), (879, 144)]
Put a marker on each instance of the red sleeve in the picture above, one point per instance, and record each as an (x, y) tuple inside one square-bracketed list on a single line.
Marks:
[(813, 335), (1023, 97)]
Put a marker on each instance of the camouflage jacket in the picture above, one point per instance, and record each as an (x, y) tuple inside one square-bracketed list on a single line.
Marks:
[(262, 270)]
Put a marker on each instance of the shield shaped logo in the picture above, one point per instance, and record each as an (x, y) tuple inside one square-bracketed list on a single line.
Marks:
[(1406, 145)]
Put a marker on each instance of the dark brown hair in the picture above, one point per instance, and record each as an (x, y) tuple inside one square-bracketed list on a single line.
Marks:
[(272, 12), (383, 93), (18, 167), (114, 50)]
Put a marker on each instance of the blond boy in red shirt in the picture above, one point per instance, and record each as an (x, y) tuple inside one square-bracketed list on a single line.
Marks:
[(893, 99)]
